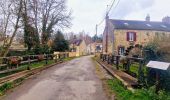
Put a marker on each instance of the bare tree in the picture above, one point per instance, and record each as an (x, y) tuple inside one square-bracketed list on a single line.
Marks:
[(13, 15), (42, 16), (49, 14)]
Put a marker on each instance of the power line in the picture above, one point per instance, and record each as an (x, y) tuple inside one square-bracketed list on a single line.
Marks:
[(111, 6), (101, 22), (107, 13), (117, 4)]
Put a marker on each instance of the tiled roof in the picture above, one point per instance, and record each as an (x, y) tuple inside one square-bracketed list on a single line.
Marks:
[(76, 42), (140, 25)]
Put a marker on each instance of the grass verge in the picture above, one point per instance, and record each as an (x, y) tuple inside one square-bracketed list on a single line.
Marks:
[(140, 94), (116, 88)]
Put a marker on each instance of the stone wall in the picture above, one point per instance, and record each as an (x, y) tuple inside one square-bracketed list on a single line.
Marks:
[(142, 37)]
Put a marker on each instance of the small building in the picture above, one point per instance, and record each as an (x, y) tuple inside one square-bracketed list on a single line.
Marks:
[(95, 47), (78, 46), (119, 35)]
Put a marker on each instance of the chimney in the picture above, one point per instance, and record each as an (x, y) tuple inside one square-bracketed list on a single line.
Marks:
[(166, 20), (147, 18)]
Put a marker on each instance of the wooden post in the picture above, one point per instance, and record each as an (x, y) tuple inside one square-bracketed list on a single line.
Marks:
[(117, 62), (128, 65), (59, 56), (100, 56), (108, 59), (157, 80), (112, 59), (46, 60), (29, 62), (140, 76)]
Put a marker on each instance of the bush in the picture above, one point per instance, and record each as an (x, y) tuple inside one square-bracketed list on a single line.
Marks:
[(43, 49), (152, 51)]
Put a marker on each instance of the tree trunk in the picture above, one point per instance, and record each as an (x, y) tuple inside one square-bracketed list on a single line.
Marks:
[(6, 49)]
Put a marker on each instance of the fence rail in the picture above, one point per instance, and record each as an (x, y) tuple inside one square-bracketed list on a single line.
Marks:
[(126, 63), (11, 63)]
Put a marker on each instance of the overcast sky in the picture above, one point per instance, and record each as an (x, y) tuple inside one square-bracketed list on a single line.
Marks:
[(88, 13)]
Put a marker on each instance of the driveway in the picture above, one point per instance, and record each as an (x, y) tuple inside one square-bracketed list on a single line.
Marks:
[(73, 80)]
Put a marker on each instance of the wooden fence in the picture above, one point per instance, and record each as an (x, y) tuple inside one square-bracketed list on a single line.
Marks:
[(8, 64), (126, 63)]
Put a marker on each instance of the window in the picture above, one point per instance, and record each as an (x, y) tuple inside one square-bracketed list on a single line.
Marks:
[(126, 24), (148, 25), (163, 26), (121, 50), (131, 36)]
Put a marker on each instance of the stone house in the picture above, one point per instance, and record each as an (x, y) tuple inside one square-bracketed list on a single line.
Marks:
[(119, 35), (95, 47), (78, 46)]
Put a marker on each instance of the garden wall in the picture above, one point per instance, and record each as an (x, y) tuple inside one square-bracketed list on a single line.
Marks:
[(72, 54)]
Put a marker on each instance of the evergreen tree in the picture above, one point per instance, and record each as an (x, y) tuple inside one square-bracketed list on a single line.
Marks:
[(60, 44), (31, 37)]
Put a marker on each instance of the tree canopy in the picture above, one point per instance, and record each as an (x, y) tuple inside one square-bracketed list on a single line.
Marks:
[(60, 44)]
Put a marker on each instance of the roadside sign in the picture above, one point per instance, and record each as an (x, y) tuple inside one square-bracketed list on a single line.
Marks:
[(158, 65)]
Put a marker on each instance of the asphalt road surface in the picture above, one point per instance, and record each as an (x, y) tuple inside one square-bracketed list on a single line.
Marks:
[(73, 80)]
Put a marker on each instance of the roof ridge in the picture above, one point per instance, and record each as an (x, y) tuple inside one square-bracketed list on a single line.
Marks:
[(140, 25), (136, 20)]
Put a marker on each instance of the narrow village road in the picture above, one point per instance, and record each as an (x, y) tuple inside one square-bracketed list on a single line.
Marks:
[(74, 80)]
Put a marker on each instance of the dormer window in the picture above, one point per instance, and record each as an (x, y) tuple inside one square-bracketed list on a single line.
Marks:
[(131, 36)]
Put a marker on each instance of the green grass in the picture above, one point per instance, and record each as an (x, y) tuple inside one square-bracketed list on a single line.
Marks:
[(134, 68), (9, 85), (122, 93), (70, 58)]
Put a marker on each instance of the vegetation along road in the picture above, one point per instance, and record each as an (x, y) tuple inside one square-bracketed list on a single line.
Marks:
[(73, 80)]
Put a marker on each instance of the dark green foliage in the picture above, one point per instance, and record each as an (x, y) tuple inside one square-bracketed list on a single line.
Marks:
[(97, 38), (164, 79), (152, 52), (37, 49), (20, 53), (60, 44), (5, 87), (16, 53), (31, 37)]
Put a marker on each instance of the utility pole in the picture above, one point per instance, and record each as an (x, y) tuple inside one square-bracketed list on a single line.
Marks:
[(96, 29), (107, 32), (96, 39)]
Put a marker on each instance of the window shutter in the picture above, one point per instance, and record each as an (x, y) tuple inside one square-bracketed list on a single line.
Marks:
[(135, 36), (127, 36)]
